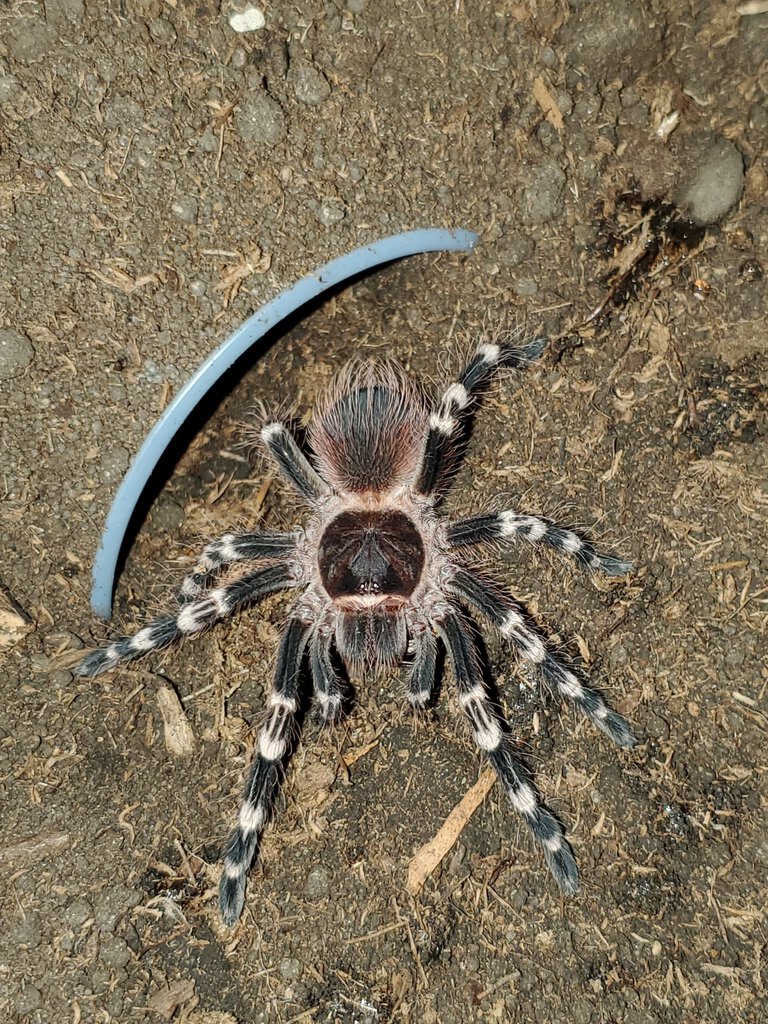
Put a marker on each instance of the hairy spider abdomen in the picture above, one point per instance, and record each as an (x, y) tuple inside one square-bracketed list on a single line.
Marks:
[(370, 554)]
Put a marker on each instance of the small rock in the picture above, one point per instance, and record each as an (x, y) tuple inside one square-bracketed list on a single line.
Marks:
[(167, 515), (318, 883), (59, 12), (113, 464), (717, 185), (30, 40), (27, 931), (77, 913), (310, 86), (543, 199), (613, 38), (331, 212), (9, 88), (28, 1001), (260, 121), (290, 969), (115, 952), (112, 905), (525, 287), (16, 352), (162, 32), (185, 209), (251, 19)]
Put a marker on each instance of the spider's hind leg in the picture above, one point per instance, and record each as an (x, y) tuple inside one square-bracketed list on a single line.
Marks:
[(265, 774), (492, 735)]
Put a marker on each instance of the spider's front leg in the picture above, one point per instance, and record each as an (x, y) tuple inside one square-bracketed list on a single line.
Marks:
[(492, 735), (444, 433), (264, 777), (493, 527), (327, 682)]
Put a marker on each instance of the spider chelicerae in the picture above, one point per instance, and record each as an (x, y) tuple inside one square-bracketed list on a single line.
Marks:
[(381, 580)]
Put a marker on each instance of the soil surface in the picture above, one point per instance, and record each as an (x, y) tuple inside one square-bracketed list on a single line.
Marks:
[(161, 177)]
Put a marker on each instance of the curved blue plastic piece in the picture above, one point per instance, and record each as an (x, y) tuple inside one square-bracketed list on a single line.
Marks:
[(216, 365)]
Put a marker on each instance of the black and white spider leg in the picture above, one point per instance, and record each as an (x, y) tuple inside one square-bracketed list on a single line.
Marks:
[(327, 682), (192, 618), (445, 423), (500, 526), (513, 622), (292, 463), (230, 548), (422, 649), (264, 777), (491, 734)]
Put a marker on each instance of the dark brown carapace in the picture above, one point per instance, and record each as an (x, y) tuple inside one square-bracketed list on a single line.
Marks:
[(364, 554)]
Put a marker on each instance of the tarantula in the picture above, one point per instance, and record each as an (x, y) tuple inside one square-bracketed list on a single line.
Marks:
[(380, 581)]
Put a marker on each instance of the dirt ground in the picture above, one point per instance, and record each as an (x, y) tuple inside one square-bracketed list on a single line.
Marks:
[(161, 177)]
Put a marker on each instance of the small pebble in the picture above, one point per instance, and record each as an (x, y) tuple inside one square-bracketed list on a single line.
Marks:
[(542, 199), (77, 913), (16, 352), (185, 209), (260, 121), (114, 951), (162, 32), (251, 19), (318, 883), (310, 86), (28, 1001), (717, 185), (113, 464), (9, 87), (30, 39), (290, 969), (331, 212)]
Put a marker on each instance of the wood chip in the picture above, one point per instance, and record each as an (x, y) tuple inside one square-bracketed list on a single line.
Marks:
[(425, 860), (15, 623), (30, 851), (548, 104), (178, 735), (168, 1001)]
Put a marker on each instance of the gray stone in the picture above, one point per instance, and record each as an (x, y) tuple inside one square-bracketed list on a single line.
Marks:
[(30, 40), (113, 464), (260, 121), (318, 883), (331, 212), (542, 199), (115, 952), (613, 39), (310, 86), (16, 352), (162, 32), (290, 969), (77, 913), (9, 88), (185, 209), (716, 186), (29, 1000), (59, 12)]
